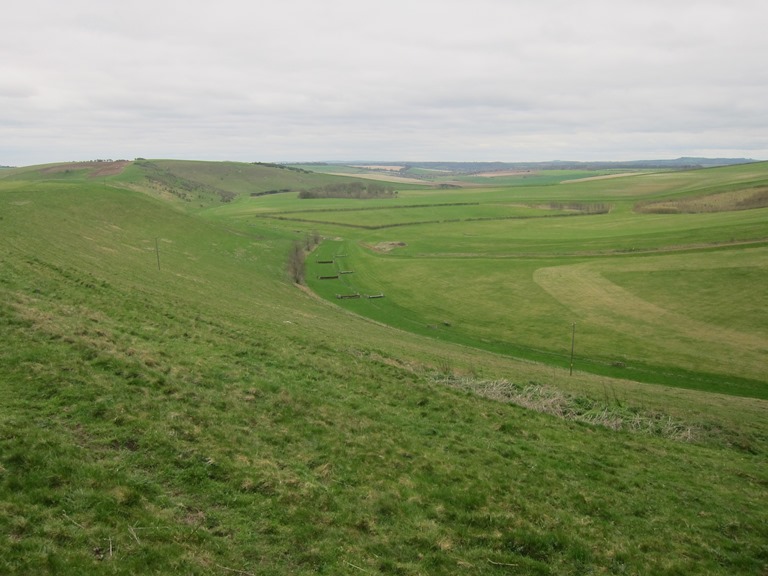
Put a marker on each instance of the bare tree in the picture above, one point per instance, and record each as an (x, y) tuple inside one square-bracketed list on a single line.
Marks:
[(296, 262)]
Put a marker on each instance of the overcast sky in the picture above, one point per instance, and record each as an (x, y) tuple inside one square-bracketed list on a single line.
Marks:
[(294, 80)]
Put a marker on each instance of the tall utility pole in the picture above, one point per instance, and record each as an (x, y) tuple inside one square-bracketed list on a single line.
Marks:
[(573, 342)]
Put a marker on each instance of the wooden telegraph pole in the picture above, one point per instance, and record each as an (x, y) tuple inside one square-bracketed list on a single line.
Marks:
[(573, 342)]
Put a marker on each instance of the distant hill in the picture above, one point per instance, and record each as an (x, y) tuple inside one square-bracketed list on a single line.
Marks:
[(475, 167), (195, 184)]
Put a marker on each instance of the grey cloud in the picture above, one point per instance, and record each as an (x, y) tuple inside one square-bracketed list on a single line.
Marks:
[(487, 79)]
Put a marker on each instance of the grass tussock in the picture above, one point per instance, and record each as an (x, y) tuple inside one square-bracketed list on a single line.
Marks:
[(608, 412), (746, 199)]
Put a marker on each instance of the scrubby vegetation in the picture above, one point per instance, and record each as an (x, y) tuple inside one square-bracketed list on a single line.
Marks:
[(740, 199), (581, 207), (166, 181), (358, 190), (282, 167)]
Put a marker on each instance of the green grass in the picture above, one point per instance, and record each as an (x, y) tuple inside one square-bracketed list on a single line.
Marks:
[(385, 217), (691, 314), (209, 417), (526, 309)]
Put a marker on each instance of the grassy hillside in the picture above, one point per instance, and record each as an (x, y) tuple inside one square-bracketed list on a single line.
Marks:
[(171, 403)]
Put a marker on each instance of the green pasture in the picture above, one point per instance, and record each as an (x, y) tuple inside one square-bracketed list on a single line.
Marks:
[(386, 217), (526, 308), (620, 232), (170, 402), (692, 312)]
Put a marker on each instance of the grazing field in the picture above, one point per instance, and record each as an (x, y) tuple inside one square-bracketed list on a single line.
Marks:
[(171, 402), (677, 299)]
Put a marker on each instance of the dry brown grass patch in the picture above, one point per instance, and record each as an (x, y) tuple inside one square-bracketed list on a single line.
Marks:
[(746, 199), (609, 413)]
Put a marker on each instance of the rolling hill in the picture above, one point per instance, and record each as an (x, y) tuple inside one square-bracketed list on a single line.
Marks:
[(170, 402)]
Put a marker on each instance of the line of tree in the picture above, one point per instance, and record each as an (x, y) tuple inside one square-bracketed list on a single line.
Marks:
[(296, 259), (584, 208), (359, 190), (298, 254), (281, 167), (268, 192)]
